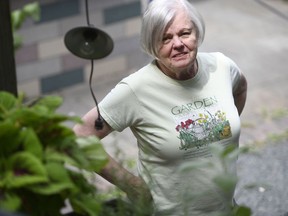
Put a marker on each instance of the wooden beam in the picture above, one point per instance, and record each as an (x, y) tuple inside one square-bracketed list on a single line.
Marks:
[(8, 80)]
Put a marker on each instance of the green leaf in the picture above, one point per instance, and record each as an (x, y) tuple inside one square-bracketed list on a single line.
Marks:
[(79, 179), (238, 151), (7, 101), (9, 138), (242, 211), (57, 172), (39, 119), (228, 150), (13, 181), (94, 152), (17, 18), (51, 102), (56, 134), (33, 10), (85, 204), (30, 10), (25, 169), (26, 117), (227, 182), (10, 202), (88, 141), (52, 188), (31, 142), (52, 155), (59, 180)]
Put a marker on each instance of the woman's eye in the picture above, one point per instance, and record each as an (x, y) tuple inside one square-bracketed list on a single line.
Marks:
[(186, 33), (166, 39)]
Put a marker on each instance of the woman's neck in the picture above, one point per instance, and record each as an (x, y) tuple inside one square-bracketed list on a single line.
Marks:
[(185, 74)]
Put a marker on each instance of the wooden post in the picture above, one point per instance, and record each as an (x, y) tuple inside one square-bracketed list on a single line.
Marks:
[(8, 80)]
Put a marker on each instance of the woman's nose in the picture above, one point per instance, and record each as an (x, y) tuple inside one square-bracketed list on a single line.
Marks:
[(177, 42)]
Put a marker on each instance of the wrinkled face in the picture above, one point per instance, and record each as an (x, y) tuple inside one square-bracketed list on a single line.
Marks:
[(178, 50)]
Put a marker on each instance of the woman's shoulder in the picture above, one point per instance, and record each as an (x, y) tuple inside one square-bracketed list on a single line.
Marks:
[(214, 58), (141, 75), (211, 55)]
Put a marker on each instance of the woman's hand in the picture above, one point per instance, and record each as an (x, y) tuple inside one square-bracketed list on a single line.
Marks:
[(240, 94)]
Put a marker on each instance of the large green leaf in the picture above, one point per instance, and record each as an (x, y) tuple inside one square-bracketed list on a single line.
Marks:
[(81, 181), (242, 211), (86, 204), (238, 151), (51, 102), (57, 136), (31, 143), (52, 188), (39, 117), (52, 155), (226, 182), (59, 181), (12, 181), (10, 202), (9, 138), (18, 16), (32, 10), (26, 117), (7, 101), (57, 172), (36, 153), (65, 150), (94, 152), (25, 169)]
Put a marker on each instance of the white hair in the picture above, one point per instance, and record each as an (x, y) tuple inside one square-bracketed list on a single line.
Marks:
[(158, 16)]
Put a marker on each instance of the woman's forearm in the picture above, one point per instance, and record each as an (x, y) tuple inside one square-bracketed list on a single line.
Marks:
[(115, 173), (134, 186)]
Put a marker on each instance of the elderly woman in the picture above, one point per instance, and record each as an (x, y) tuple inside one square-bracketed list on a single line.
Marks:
[(176, 106)]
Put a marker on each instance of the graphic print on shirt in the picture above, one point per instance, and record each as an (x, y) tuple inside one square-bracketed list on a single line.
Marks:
[(200, 123)]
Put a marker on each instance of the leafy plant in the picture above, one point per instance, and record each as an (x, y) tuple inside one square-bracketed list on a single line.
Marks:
[(42, 161), (18, 16), (214, 174)]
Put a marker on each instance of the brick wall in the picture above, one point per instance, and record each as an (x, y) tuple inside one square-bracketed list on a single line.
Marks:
[(44, 65)]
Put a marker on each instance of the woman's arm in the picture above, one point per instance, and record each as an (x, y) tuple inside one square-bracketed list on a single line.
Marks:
[(240, 94), (135, 188)]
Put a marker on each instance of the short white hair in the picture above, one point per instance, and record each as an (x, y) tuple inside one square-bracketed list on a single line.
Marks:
[(158, 16)]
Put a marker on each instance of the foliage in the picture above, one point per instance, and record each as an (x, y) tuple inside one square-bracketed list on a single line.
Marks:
[(42, 161), (42, 164), (18, 16), (214, 174)]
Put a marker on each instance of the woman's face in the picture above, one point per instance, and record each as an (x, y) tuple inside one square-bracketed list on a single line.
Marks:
[(178, 50)]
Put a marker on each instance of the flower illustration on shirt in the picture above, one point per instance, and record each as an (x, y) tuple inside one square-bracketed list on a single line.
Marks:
[(204, 129)]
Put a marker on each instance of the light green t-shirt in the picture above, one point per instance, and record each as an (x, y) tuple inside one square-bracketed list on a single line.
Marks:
[(174, 122)]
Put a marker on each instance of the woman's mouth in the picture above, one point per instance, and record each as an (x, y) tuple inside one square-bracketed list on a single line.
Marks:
[(179, 55)]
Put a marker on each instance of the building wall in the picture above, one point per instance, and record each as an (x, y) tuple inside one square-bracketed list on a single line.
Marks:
[(44, 64)]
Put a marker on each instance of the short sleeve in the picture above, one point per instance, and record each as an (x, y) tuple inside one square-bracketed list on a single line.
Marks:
[(235, 73), (118, 107)]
